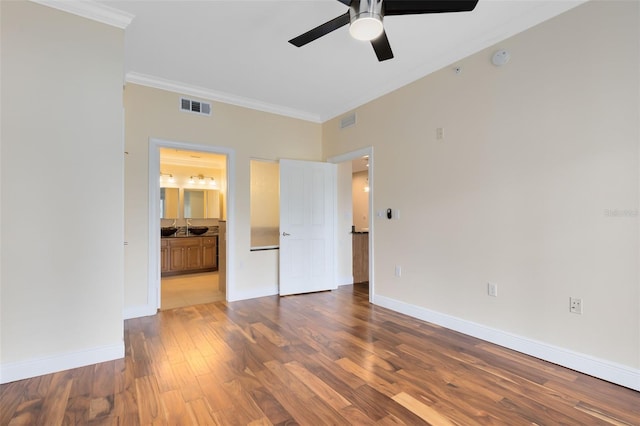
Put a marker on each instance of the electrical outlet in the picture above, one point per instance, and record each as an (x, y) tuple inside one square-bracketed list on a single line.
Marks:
[(575, 305), (398, 271), (492, 289)]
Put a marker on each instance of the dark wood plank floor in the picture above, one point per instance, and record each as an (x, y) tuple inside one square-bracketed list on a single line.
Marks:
[(324, 358)]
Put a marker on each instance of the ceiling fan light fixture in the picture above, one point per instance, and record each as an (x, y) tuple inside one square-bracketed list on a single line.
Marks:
[(366, 28), (366, 19)]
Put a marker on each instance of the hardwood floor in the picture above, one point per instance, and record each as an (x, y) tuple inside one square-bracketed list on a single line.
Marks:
[(323, 358)]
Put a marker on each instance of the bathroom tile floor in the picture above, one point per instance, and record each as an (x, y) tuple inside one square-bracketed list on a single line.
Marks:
[(191, 289)]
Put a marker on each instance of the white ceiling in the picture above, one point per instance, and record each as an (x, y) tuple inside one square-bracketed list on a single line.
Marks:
[(237, 51)]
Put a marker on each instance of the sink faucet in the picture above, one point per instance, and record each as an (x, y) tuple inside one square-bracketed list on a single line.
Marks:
[(188, 226)]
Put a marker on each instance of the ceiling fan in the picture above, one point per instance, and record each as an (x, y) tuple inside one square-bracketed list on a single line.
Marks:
[(365, 19)]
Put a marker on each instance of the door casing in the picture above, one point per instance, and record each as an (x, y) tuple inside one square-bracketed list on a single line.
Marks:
[(153, 297)]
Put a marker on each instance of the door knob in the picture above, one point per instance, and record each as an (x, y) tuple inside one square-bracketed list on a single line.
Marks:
[(284, 234)]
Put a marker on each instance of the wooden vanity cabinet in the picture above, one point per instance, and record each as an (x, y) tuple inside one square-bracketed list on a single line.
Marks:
[(188, 255), (209, 252), (164, 256), (191, 249)]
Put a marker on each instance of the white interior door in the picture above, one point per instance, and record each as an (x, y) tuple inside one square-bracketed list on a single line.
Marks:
[(307, 226)]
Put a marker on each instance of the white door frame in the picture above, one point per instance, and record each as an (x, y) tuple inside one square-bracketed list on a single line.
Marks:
[(155, 144), (350, 156)]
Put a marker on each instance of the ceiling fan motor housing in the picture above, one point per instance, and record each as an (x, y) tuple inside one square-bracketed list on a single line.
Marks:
[(365, 19)]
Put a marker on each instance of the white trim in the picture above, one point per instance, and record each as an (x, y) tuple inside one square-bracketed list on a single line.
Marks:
[(345, 280), (603, 369), (227, 98), (267, 290), (91, 10), (139, 311), (12, 371), (353, 155), (153, 287)]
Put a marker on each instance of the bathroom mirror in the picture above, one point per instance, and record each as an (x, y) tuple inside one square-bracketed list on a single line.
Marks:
[(169, 203), (201, 204)]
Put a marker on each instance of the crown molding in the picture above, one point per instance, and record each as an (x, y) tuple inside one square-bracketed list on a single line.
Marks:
[(227, 98), (91, 10)]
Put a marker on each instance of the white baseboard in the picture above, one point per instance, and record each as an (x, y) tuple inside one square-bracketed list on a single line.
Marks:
[(602, 369), (138, 311), (345, 280), (12, 371), (252, 294)]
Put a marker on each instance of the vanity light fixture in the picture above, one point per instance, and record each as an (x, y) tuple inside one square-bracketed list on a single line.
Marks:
[(171, 178), (202, 180)]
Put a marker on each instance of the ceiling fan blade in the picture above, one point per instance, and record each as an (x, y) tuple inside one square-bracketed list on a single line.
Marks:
[(346, 2), (320, 30), (411, 7), (382, 47)]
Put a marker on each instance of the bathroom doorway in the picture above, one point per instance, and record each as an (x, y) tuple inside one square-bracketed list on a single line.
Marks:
[(193, 194)]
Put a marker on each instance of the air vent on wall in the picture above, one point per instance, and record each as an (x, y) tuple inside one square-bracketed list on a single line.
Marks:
[(197, 107), (348, 121)]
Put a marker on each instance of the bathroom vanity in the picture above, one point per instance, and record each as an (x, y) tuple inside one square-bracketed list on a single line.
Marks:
[(188, 254)]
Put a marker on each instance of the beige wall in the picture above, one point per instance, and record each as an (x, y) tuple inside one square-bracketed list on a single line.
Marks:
[(61, 191), (153, 113), (265, 194), (523, 190)]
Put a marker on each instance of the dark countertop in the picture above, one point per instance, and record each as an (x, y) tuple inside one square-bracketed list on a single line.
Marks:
[(209, 234)]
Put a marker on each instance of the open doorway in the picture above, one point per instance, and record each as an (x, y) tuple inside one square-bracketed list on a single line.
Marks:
[(355, 219), (193, 209), (360, 191), (190, 223)]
